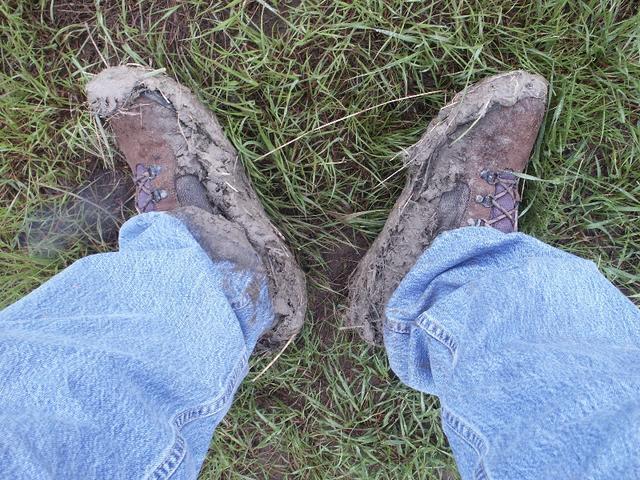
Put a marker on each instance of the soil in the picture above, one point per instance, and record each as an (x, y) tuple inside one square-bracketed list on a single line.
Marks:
[(90, 214), (341, 261)]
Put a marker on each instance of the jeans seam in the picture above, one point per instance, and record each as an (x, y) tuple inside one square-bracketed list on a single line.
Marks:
[(434, 329), (471, 437), (174, 455)]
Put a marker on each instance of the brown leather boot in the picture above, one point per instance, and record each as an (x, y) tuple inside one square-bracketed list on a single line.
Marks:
[(182, 163), (460, 173), (140, 130)]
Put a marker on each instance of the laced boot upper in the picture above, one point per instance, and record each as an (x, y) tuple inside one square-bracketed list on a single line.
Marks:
[(147, 195), (502, 204), (140, 131)]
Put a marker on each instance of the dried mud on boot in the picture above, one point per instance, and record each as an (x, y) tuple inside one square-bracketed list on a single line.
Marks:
[(500, 115), (202, 150)]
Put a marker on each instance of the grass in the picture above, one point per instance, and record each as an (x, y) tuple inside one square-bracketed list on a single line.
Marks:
[(271, 71)]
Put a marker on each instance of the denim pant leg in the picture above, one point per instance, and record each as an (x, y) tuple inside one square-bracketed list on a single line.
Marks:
[(122, 365), (534, 354)]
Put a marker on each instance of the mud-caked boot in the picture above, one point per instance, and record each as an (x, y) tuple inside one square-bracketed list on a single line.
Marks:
[(461, 172), (183, 164)]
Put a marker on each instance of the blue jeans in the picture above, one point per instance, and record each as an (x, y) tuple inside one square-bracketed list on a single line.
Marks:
[(122, 365)]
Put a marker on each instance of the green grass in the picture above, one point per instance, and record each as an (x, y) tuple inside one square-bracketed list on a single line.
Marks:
[(329, 408)]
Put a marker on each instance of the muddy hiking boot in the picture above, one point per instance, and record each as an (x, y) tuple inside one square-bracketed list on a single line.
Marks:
[(183, 164), (461, 172)]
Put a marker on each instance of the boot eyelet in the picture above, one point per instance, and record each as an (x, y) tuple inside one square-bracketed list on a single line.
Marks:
[(159, 195), (484, 200), (488, 176), (154, 170)]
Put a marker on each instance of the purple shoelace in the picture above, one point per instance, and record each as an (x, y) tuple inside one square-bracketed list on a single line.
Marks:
[(503, 202), (146, 195)]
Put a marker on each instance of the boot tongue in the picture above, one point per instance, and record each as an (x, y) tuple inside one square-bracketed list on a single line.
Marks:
[(452, 206), (191, 192)]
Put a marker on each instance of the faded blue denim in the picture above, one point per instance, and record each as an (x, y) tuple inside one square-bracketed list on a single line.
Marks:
[(534, 354), (122, 365)]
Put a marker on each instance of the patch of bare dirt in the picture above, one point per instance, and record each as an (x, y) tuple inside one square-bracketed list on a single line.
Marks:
[(90, 213), (341, 261)]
